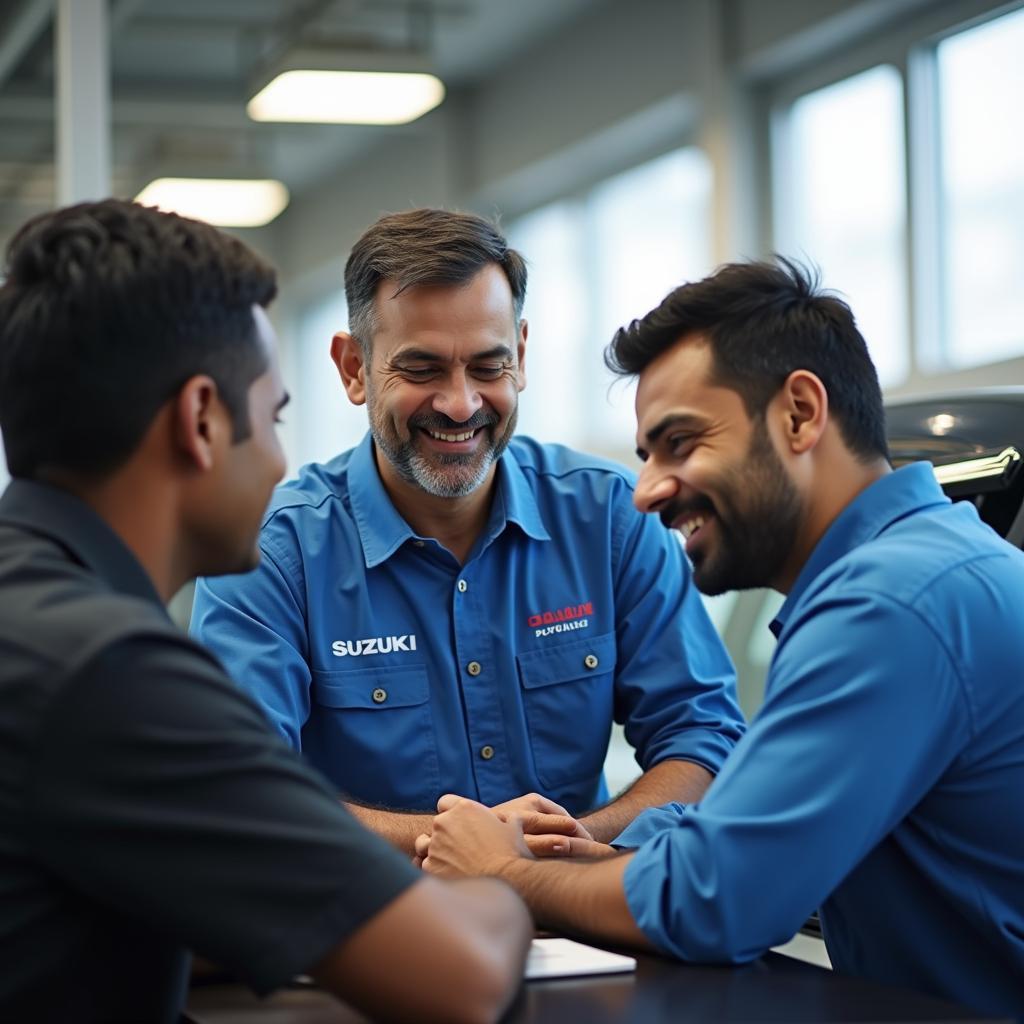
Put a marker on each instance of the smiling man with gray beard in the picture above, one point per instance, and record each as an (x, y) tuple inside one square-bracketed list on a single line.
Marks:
[(449, 608)]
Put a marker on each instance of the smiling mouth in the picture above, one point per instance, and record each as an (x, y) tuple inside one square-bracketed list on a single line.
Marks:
[(451, 438), (688, 527)]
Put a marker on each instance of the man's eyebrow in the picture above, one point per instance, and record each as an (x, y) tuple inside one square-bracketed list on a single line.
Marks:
[(416, 354), (426, 356), (498, 352)]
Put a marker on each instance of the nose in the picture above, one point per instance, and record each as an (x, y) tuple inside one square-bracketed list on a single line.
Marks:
[(653, 488), (460, 398)]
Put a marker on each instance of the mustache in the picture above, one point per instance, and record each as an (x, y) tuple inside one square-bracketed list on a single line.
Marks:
[(684, 509), (444, 423)]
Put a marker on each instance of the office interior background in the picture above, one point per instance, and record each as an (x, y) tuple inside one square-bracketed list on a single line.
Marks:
[(626, 145)]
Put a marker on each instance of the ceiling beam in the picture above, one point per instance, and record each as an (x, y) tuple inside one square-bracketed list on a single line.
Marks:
[(156, 112)]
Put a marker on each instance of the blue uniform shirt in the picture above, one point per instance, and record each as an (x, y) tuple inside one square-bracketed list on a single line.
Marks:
[(883, 779), (403, 675)]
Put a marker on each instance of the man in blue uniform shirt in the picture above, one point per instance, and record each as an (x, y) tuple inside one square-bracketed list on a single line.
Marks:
[(446, 608), (882, 779)]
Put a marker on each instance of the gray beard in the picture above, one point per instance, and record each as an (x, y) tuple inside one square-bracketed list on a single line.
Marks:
[(429, 475)]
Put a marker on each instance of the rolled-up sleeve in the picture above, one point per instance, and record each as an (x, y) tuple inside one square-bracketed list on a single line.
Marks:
[(675, 686), (838, 756)]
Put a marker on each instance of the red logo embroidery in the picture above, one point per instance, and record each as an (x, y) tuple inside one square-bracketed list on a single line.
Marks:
[(572, 611)]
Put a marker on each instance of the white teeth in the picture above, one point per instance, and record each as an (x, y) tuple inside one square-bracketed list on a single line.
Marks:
[(691, 526), (451, 437)]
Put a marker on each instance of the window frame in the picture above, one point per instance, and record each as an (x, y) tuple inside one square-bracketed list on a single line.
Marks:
[(910, 46)]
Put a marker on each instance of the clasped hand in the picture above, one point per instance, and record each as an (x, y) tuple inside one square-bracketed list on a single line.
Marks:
[(470, 839)]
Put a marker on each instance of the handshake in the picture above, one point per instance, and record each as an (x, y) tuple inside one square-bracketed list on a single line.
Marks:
[(469, 839)]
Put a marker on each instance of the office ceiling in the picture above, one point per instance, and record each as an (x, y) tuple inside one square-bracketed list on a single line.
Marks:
[(182, 71)]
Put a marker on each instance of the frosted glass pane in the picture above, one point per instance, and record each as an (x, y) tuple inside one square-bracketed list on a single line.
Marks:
[(325, 422), (846, 205), (552, 408), (981, 83), (650, 231)]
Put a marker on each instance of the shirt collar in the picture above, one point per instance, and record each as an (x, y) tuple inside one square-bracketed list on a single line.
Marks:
[(60, 516), (382, 531), (894, 496), (514, 501)]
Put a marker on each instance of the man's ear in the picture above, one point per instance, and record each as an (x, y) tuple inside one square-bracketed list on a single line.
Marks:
[(347, 354), (521, 353), (802, 409), (200, 422)]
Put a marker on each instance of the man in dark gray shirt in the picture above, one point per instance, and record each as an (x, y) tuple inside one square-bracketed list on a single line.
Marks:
[(145, 809)]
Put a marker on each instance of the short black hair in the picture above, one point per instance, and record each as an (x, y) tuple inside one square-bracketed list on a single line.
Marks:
[(763, 320), (424, 246), (107, 309)]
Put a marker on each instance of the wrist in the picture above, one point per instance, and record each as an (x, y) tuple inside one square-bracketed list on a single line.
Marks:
[(508, 866)]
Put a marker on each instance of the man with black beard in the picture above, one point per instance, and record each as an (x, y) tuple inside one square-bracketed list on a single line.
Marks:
[(446, 608), (881, 780)]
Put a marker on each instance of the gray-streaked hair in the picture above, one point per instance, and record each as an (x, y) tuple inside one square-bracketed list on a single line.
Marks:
[(425, 246)]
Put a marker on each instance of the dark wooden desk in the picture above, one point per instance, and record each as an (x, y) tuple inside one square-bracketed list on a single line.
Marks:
[(774, 988)]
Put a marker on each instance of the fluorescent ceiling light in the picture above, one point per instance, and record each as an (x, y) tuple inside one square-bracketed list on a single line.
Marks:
[(347, 97), (227, 202)]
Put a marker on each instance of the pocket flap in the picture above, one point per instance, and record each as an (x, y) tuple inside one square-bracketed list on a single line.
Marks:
[(376, 688), (575, 659)]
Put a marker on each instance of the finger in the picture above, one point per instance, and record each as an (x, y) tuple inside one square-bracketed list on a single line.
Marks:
[(566, 846), (447, 802), (548, 846), (417, 862), (422, 845), (544, 824), (546, 806)]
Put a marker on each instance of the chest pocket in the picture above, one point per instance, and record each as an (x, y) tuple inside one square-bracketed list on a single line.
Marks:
[(371, 730), (568, 691)]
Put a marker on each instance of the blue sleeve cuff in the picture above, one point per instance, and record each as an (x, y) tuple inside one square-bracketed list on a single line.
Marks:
[(647, 824), (708, 747)]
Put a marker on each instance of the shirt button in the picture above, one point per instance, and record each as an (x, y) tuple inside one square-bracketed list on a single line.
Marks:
[(590, 661), (463, 586), (418, 543), (473, 668), (379, 696), (487, 752)]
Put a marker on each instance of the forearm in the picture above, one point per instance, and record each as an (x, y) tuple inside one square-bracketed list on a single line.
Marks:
[(680, 781), (458, 948), (400, 828), (588, 899)]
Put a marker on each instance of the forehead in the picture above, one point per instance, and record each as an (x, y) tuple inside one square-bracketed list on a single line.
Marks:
[(475, 313), (679, 383)]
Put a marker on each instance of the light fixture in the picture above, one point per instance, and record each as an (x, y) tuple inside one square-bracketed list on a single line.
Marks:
[(330, 86), (226, 202), (941, 424)]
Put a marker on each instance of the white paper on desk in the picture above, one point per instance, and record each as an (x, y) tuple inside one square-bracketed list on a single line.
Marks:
[(564, 958)]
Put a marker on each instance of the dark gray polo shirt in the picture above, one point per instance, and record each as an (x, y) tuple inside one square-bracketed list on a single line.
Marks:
[(145, 808)]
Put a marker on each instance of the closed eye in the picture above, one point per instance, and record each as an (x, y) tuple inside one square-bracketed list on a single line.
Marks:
[(489, 372), (680, 444)]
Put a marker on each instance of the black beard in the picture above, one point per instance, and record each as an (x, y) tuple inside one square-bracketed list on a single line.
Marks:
[(755, 536)]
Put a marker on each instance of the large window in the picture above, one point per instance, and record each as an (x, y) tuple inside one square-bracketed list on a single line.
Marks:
[(981, 88), (842, 207), (597, 261), (951, 93)]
